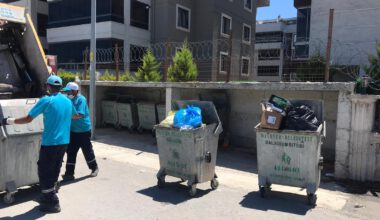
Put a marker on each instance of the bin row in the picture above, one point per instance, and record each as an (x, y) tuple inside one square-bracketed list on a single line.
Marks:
[(141, 116)]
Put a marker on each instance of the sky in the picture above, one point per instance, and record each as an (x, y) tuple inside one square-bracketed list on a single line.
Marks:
[(284, 8)]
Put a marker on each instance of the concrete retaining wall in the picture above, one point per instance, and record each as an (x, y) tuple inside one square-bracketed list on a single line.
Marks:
[(244, 100)]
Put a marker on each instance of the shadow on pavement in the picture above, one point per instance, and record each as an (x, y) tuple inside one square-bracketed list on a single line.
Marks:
[(277, 201), (122, 138), (32, 214), (173, 193)]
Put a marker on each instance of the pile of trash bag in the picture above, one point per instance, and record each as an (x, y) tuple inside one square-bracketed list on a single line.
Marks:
[(298, 118), (301, 118), (188, 118)]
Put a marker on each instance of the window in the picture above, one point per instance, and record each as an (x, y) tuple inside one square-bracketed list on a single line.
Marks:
[(223, 63), (303, 24), (268, 71), (67, 13), (269, 37), (272, 54), (301, 52), (248, 5), (42, 23), (139, 15), (245, 66), (183, 18), (246, 33), (226, 25)]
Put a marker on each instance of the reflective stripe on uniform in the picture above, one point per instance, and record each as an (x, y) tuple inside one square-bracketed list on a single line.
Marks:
[(91, 161), (48, 190)]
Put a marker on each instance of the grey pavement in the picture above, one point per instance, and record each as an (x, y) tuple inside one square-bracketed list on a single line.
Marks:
[(126, 189)]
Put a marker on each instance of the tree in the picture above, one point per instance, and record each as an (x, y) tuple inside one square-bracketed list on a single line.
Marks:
[(183, 67), (149, 71), (373, 71), (313, 69)]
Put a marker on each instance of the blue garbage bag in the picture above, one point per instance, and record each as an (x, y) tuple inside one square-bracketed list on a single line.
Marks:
[(188, 118)]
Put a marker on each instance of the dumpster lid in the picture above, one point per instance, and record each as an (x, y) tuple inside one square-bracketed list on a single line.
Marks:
[(209, 113)]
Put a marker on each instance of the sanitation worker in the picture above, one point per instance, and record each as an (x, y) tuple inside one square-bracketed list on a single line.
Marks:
[(80, 136), (57, 112)]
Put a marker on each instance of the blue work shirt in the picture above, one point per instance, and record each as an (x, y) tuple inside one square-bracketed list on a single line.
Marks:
[(57, 110), (82, 124)]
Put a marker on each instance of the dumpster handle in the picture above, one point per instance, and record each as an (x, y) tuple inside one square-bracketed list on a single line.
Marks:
[(208, 157), (218, 130), (3, 133), (324, 129)]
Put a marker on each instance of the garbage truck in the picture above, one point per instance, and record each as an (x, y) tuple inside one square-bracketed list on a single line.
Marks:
[(23, 73)]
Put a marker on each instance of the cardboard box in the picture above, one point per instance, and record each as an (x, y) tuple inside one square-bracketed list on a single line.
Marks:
[(270, 119)]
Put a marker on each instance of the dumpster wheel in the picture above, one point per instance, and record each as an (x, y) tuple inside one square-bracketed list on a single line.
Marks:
[(161, 182), (193, 190), (214, 183), (9, 198), (262, 191), (312, 199)]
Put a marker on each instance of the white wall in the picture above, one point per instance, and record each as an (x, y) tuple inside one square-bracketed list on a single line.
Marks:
[(356, 28)]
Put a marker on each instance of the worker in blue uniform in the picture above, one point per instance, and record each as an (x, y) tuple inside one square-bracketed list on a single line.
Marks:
[(80, 136), (57, 112)]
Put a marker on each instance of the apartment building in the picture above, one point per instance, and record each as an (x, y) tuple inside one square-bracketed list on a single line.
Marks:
[(125, 23), (355, 30), (38, 10), (228, 25), (274, 48)]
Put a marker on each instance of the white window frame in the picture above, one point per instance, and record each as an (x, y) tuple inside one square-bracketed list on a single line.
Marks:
[(248, 9), (176, 20), (249, 66), (250, 33), (221, 25), (222, 53)]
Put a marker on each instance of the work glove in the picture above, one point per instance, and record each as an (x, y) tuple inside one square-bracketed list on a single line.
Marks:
[(8, 121)]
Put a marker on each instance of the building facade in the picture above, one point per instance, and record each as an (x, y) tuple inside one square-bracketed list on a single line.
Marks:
[(273, 49), (227, 25), (355, 31), (135, 25), (38, 10), (119, 22)]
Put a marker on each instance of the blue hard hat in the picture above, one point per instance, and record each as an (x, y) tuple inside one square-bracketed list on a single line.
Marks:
[(54, 80)]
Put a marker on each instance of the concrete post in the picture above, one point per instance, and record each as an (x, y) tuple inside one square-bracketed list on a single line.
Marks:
[(343, 131)]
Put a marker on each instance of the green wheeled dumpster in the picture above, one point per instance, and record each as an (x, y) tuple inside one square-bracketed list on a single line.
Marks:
[(291, 158), (190, 154)]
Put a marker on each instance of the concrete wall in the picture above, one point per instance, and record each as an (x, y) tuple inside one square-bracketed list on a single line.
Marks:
[(244, 104), (356, 28)]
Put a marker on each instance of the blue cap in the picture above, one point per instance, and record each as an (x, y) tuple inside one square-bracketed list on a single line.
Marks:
[(66, 89), (54, 80)]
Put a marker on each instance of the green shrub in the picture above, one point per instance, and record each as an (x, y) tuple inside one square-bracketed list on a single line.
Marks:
[(127, 77), (67, 76), (149, 72), (107, 76), (373, 72), (183, 67)]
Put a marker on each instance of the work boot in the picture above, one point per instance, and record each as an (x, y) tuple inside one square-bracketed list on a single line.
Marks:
[(68, 177), (94, 172), (50, 208)]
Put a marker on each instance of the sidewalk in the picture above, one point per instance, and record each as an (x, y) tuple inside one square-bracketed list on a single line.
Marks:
[(126, 189)]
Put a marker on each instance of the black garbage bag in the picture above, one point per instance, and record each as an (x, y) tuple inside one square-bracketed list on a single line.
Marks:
[(301, 118)]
